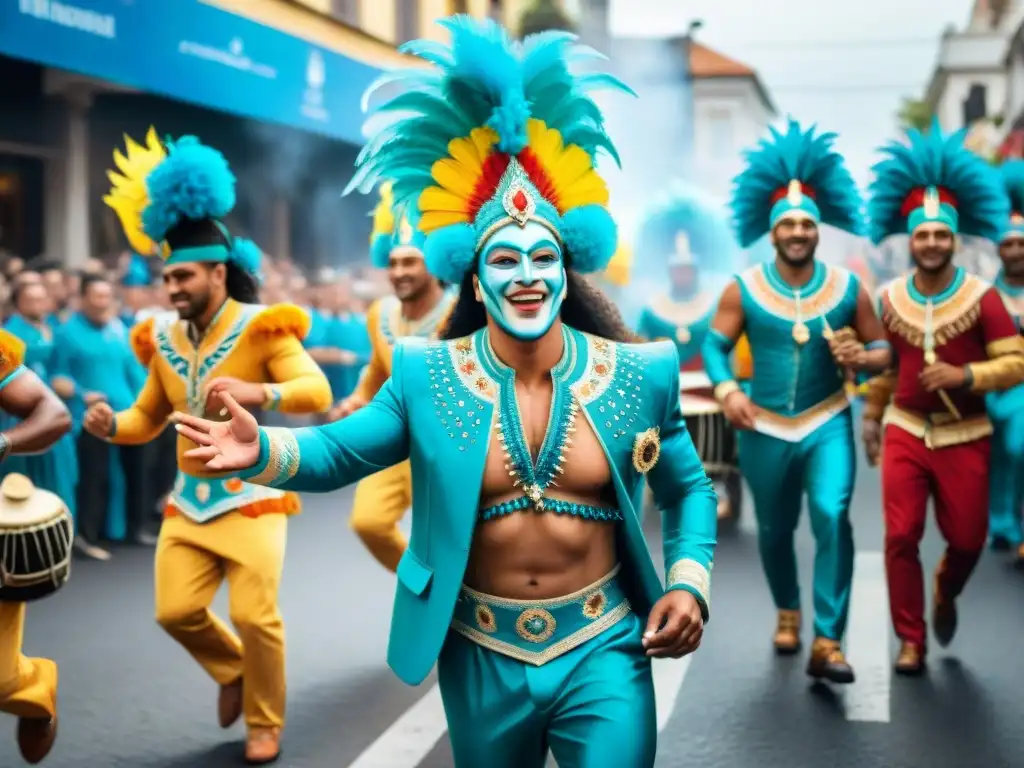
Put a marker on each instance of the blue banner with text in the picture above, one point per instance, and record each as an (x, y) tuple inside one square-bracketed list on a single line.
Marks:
[(193, 52)]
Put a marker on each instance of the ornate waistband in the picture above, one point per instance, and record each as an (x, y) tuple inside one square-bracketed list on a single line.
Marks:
[(538, 631), (938, 430), (795, 428), (204, 499)]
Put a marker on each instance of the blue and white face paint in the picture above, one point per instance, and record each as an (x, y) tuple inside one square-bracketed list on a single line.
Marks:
[(522, 279)]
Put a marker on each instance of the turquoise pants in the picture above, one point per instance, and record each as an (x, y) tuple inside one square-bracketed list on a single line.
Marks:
[(824, 466), (1006, 484), (593, 706)]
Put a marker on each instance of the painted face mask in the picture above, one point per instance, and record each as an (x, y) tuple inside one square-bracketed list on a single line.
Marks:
[(522, 279)]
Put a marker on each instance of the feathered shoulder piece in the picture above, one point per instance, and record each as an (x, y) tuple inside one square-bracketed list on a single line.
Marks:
[(391, 230), (12, 353), (933, 177), (794, 172), (280, 320), (143, 341), (1012, 173), (684, 226), (495, 132)]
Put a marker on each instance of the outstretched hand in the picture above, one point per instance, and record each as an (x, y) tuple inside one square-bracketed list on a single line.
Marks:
[(224, 446)]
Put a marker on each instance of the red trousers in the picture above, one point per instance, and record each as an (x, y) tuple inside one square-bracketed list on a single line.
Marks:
[(957, 479)]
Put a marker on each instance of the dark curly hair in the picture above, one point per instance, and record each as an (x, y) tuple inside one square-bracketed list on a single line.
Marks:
[(240, 285), (586, 308)]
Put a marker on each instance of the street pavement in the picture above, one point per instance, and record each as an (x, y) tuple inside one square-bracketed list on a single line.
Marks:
[(131, 698)]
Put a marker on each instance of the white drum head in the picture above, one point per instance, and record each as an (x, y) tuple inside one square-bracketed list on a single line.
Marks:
[(22, 505)]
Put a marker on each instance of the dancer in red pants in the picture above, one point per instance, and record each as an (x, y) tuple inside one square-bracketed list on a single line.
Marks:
[(952, 341)]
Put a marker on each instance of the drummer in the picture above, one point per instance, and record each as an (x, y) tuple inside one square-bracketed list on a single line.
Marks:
[(691, 235), (28, 687)]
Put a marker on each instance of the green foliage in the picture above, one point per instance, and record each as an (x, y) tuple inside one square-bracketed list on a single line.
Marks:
[(914, 113), (543, 15)]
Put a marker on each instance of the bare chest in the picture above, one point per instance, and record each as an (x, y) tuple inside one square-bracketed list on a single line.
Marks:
[(551, 434)]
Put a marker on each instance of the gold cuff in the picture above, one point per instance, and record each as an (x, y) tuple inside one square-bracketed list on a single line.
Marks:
[(1010, 345), (691, 574), (725, 389), (282, 458), (999, 374)]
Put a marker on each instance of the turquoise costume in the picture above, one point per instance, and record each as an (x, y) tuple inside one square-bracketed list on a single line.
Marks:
[(682, 229), (56, 470), (1006, 409), (520, 204), (803, 440)]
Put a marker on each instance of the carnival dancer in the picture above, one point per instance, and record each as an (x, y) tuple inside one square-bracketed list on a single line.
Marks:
[(28, 686), (693, 240), (542, 625), (170, 201), (416, 310), (1006, 409), (953, 341), (805, 322)]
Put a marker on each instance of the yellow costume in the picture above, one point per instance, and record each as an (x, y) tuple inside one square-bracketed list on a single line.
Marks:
[(743, 364), (382, 498), (224, 528), (28, 687)]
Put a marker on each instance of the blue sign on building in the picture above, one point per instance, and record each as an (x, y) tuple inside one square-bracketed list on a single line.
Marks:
[(193, 52)]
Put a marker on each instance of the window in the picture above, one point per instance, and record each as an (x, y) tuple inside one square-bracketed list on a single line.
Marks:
[(407, 20), (974, 106), (346, 11), (720, 134)]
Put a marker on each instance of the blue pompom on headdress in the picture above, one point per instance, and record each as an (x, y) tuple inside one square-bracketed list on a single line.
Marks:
[(137, 274), (684, 226), (794, 172), (933, 177), (393, 229), (497, 132), (1012, 173), (163, 188)]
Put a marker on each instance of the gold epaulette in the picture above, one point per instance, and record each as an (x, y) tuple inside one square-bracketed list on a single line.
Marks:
[(141, 339), (281, 320)]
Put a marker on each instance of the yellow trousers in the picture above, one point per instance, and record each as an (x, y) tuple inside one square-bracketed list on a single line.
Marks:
[(192, 559), (380, 502), (28, 687)]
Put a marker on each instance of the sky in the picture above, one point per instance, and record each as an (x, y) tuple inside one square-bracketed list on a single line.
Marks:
[(844, 65)]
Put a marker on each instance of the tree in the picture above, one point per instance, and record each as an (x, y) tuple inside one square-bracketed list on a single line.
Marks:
[(543, 15), (914, 113)]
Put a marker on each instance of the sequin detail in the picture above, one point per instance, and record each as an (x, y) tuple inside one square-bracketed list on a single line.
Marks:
[(556, 506)]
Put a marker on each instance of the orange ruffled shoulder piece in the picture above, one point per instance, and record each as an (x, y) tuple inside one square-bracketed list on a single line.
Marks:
[(281, 320), (141, 339), (12, 353)]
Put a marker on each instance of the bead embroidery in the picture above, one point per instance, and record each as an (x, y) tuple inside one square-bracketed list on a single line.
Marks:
[(815, 304), (949, 317), (535, 625)]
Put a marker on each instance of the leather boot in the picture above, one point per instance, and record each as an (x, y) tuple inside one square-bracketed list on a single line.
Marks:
[(910, 661), (787, 633), (263, 746), (229, 704), (36, 737), (827, 662), (944, 617)]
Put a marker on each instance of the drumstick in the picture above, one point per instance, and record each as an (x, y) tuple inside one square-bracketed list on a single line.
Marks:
[(930, 358)]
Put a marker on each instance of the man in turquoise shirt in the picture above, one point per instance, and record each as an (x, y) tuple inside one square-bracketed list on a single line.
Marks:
[(93, 352), (531, 429)]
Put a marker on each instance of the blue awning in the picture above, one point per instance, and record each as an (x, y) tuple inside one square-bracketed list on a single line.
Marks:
[(196, 53)]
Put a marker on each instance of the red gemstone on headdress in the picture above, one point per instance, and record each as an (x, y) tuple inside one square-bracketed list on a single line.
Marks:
[(519, 200)]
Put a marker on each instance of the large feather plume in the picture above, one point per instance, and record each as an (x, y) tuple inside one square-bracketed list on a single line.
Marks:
[(804, 156), (933, 159), (1012, 173)]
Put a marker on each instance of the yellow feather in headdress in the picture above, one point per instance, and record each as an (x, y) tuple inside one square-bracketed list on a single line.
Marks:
[(128, 196), (383, 215), (618, 270)]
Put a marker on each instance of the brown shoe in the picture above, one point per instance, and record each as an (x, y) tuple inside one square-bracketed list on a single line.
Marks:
[(944, 617), (229, 704), (910, 662), (1019, 559), (787, 633), (263, 746), (827, 662), (36, 737)]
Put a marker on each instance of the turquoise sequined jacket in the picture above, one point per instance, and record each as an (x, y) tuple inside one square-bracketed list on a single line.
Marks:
[(437, 409)]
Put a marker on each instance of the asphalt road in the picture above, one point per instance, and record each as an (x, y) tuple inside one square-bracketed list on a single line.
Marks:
[(131, 698)]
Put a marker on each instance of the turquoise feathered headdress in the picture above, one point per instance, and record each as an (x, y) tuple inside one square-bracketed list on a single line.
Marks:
[(795, 171), (137, 275), (683, 226), (390, 232), (1012, 173), (934, 178), (160, 190), (495, 132)]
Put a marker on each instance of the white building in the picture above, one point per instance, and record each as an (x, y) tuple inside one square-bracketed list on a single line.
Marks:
[(732, 111)]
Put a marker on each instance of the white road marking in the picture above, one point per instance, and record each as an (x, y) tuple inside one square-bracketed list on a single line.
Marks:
[(410, 738), (867, 642), (415, 734)]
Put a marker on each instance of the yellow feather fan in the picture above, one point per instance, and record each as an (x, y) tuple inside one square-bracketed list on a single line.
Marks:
[(618, 270), (128, 196)]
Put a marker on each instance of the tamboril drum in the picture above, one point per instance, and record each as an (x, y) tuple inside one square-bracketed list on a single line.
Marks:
[(36, 534)]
